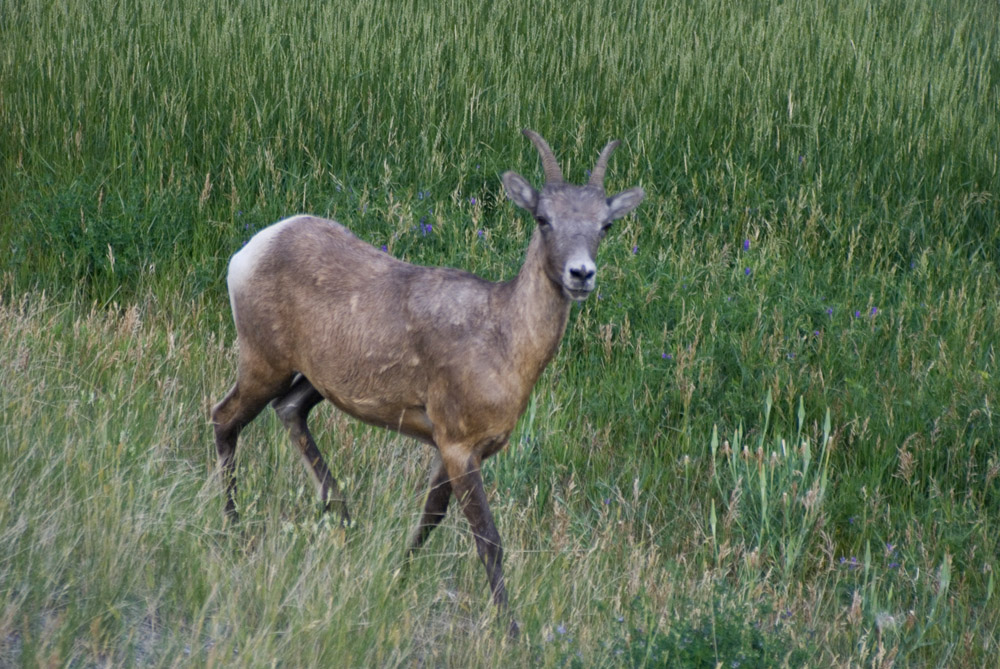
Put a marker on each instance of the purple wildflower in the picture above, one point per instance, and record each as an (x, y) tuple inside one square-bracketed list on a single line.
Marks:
[(385, 248), (850, 563), (747, 271), (746, 244), (635, 250)]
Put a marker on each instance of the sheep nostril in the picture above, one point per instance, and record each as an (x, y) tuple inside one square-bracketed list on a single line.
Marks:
[(582, 273)]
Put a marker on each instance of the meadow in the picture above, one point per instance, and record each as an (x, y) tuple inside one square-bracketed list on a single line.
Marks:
[(770, 439)]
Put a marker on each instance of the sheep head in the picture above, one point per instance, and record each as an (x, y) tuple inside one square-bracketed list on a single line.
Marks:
[(571, 219)]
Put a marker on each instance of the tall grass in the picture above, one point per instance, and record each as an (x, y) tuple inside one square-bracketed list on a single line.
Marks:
[(157, 131), (814, 277)]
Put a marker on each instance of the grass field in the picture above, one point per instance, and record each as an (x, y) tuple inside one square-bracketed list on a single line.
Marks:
[(771, 439)]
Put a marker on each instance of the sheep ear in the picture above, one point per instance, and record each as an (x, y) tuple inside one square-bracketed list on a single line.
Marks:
[(624, 202), (520, 191)]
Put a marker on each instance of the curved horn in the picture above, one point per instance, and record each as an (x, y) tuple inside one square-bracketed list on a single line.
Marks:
[(552, 172), (597, 176)]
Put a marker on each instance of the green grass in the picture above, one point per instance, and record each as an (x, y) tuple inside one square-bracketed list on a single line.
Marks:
[(770, 438)]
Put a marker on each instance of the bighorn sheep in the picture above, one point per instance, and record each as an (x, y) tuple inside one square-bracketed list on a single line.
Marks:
[(437, 354)]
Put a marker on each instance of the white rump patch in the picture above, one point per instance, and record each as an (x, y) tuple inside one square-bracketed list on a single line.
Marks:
[(243, 263)]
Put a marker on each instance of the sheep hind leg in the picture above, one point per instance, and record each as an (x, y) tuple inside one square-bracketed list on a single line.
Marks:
[(293, 408), (237, 409)]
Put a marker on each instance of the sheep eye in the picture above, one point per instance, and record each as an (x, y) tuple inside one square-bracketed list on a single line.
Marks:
[(543, 221)]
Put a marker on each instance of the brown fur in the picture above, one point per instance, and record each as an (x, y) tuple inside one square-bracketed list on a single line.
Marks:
[(435, 353)]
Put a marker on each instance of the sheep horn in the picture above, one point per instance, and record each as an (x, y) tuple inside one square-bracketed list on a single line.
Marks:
[(552, 172), (597, 176)]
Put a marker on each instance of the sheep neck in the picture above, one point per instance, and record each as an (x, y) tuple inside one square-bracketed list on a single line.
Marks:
[(538, 311)]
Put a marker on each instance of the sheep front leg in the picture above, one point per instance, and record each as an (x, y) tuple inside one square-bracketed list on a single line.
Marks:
[(436, 505), (467, 484)]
